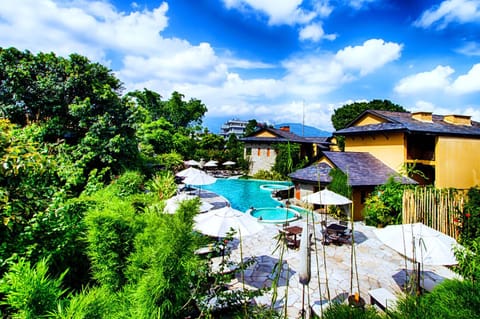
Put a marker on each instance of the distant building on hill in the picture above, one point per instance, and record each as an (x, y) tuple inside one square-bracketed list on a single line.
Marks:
[(233, 126)]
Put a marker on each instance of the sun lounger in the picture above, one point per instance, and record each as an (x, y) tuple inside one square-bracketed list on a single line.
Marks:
[(382, 298)]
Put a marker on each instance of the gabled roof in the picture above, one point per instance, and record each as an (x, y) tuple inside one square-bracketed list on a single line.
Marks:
[(315, 173), (404, 122), (280, 136), (363, 169)]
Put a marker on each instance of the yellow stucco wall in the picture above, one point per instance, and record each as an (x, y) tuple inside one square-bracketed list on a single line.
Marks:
[(389, 148), (265, 134), (369, 119), (457, 162)]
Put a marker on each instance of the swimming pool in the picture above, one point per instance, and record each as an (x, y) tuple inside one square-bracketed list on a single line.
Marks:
[(274, 214), (246, 193)]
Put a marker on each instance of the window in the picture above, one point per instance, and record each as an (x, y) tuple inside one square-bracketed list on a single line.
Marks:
[(268, 152), (259, 151)]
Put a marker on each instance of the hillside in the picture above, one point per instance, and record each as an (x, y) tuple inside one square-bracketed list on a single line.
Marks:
[(307, 131)]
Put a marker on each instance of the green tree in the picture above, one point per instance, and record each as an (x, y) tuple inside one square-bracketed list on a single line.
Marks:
[(342, 116), (183, 114), (288, 158), (76, 103), (251, 127)]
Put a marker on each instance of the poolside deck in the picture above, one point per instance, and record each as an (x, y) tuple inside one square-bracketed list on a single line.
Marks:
[(378, 266)]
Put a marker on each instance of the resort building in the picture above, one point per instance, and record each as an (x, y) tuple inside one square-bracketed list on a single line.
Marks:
[(446, 149), (260, 146), (364, 172), (234, 126)]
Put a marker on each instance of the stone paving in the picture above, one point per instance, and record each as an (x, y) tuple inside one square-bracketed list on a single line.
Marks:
[(376, 265)]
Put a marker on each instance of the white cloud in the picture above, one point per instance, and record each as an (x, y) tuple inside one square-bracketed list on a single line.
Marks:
[(360, 4), (366, 58), (90, 28), (323, 8), (461, 11), (314, 32), (279, 12), (470, 49), (467, 83), (437, 79)]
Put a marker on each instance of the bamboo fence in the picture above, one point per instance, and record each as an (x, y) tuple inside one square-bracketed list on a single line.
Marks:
[(437, 208)]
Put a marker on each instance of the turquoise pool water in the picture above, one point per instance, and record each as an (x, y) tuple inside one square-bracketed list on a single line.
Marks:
[(274, 214), (245, 193)]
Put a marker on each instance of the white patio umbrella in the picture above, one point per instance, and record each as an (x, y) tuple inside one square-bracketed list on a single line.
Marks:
[(326, 197), (192, 163), (210, 164), (218, 223), (199, 179), (174, 202), (188, 172), (419, 243), (229, 163)]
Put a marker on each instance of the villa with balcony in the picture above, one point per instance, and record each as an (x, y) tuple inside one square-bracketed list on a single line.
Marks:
[(445, 148)]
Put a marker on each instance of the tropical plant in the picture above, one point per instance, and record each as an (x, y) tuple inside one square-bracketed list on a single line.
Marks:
[(345, 311), (288, 159), (29, 291), (268, 175), (450, 299), (470, 218), (384, 205), (468, 258)]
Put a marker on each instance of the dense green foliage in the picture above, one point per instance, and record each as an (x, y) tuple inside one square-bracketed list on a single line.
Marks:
[(469, 231), (451, 299), (251, 127), (342, 116), (345, 311), (268, 175), (384, 205), (470, 217), (29, 291), (288, 159)]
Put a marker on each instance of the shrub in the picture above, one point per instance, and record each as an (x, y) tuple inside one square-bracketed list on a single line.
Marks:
[(469, 260), (268, 175), (470, 219), (344, 311), (29, 291), (451, 299), (93, 303), (110, 235), (164, 269), (384, 205)]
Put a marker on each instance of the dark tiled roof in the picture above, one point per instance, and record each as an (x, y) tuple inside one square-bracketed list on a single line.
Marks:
[(313, 173), (281, 136), (403, 122), (363, 169), (319, 140)]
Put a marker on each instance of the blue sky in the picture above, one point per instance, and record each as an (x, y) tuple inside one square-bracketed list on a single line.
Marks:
[(270, 60)]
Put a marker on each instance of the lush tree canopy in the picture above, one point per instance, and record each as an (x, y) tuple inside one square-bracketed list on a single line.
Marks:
[(341, 117)]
